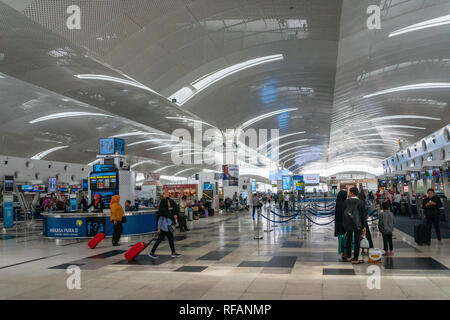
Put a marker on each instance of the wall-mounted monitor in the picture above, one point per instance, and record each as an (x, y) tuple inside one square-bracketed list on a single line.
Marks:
[(8, 184), (51, 184), (85, 185)]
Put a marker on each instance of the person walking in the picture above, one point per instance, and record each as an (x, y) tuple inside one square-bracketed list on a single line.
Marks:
[(353, 221), (339, 230), (431, 205), (116, 218), (386, 227), (165, 229)]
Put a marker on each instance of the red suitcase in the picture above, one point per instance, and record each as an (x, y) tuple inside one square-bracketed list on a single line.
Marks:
[(96, 240), (137, 248)]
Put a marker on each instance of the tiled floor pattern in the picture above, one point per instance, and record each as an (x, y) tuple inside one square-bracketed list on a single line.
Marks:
[(221, 260)]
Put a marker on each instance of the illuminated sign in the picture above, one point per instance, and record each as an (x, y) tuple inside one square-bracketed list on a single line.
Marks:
[(286, 181), (112, 146), (311, 178)]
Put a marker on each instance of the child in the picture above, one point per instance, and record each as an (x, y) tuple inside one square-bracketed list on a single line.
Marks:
[(386, 227)]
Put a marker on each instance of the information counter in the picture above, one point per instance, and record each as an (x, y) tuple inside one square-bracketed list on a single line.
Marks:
[(86, 225)]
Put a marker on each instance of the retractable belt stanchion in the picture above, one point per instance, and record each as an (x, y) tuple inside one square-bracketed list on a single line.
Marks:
[(268, 223), (257, 235)]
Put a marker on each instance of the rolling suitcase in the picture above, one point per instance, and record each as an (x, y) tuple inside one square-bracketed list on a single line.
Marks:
[(211, 212), (96, 240), (422, 234), (137, 248)]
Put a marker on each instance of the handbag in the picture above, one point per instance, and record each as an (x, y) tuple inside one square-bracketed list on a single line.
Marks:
[(364, 244), (124, 219)]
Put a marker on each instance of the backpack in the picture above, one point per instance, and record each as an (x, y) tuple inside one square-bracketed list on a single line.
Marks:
[(351, 220)]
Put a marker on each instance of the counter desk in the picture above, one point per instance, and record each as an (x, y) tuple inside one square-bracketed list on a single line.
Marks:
[(76, 225)]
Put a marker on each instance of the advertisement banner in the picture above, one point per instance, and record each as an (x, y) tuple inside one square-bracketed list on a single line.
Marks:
[(66, 227), (286, 182), (230, 175), (8, 213), (298, 182), (311, 179)]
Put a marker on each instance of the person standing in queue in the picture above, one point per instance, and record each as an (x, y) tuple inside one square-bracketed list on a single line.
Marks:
[(339, 230), (354, 215), (167, 215), (116, 218), (362, 197), (431, 205)]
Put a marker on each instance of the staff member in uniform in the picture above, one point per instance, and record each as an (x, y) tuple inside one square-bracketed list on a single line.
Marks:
[(97, 203), (116, 219)]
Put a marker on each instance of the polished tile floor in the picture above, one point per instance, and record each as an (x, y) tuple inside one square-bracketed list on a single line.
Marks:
[(222, 260)]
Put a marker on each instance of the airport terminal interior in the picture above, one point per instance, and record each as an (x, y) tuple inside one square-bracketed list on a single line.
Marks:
[(225, 149)]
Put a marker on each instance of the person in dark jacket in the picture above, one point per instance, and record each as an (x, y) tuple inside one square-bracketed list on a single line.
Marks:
[(97, 203), (339, 230), (362, 197), (356, 228), (431, 206)]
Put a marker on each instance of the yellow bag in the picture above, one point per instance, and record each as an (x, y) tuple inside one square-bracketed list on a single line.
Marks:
[(375, 255)]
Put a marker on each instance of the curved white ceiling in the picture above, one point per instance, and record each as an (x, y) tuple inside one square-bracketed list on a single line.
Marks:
[(309, 67)]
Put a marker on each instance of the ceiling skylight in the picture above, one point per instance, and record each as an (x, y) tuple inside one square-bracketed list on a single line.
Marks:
[(114, 79), (419, 86), (422, 25), (62, 115), (186, 93), (42, 154)]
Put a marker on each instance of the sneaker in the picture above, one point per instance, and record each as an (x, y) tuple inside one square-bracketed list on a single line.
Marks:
[(116, 244), (175, 255), (152, 255)]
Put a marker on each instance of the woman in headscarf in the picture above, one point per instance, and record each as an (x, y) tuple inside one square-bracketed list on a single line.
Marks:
[(116, 218), (338, 222), (97, 203)]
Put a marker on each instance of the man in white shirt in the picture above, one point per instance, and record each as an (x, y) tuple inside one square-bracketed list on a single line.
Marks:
[(396, 202)]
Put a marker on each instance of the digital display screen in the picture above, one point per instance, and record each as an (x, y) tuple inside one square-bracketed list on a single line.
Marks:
[(63, 189), (119, 146), (103, 167), (253, 186), (286, 180), (51, 184), (75, 188), (26, 188), (9, 184), (298, 182), (103, 181), (33, 188), (85, 185), (106, 146), (112, 146)]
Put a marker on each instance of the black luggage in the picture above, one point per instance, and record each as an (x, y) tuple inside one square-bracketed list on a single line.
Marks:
[(422, 234), (210, 212)]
